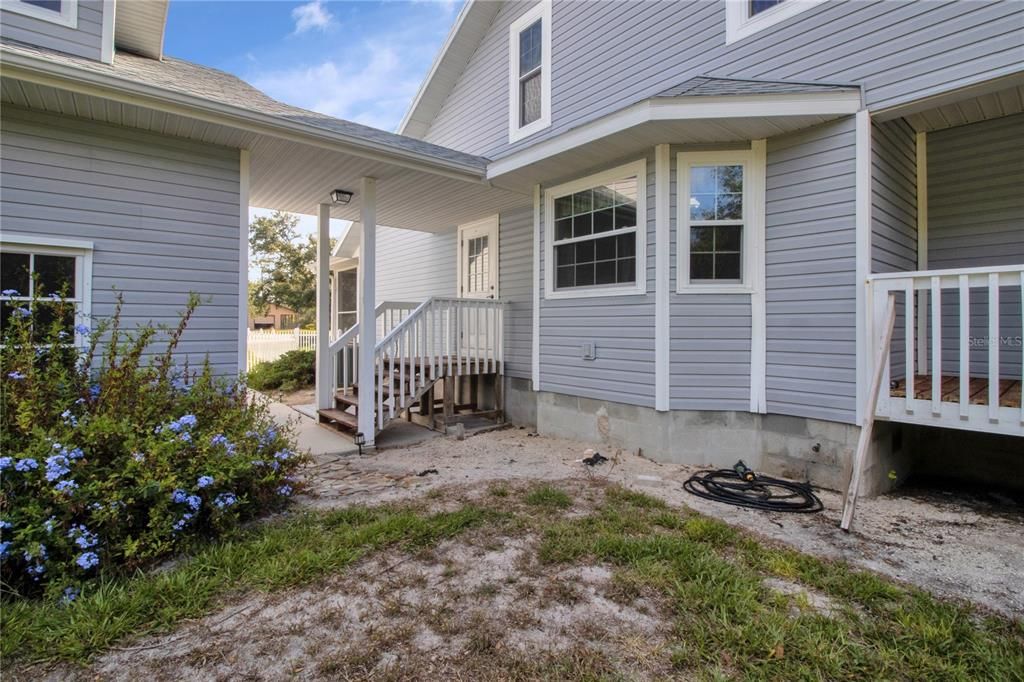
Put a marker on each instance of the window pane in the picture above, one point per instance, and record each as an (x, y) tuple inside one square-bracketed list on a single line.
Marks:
[(604, 197), (604, 272), (727, 266), (758, 6), (563, 207), (346, 320), (728, 238), (626, 270), (7, 310), (702, 239), (566, 277), (603, 220), (702, 266), (585, 252), (565, 255), (730, 207), (627, 245), (582, 225), (582, 202), (563, 228), (52, 5), (14, 272), (585, 275), (625, 216), (605, 248), (530, 48), (730, 179), (529, 99), (703, 180), (56, 275), (348, 291), (625, 191), (47, 314), (702, 207)]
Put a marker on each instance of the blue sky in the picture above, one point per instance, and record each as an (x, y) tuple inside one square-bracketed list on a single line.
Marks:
[(358, 60), (361, 61)]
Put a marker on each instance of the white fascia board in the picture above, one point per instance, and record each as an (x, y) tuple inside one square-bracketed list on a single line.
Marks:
[(64, 77), (842, 103)]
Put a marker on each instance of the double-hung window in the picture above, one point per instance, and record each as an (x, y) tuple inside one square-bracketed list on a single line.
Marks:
[(42, 269), (596, 232), (720, 218), (744, 18), (530, 72), (63, 12)]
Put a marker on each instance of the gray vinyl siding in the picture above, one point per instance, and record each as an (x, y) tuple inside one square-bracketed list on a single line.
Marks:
[(515, 272), (620, 327), (899, 51), (709, 354), (413, 266), (83, 41), (894, 214), (810, 269), (162, 214), (976, 219)]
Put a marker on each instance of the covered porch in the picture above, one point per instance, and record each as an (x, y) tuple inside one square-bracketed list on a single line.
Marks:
[(944, 303)]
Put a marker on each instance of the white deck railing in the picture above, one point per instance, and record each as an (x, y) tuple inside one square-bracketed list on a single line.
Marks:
[(344, 350), (442, 337), (267, 346), (958, 337)]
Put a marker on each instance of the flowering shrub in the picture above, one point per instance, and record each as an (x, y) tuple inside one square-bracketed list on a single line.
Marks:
[(112, 458)]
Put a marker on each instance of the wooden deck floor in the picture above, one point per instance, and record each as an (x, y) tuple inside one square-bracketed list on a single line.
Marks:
[(1009, 390)]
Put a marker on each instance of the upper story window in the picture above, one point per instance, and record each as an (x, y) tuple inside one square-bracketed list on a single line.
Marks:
[(530, 72), (64, 12), (596, 231), (720, 220), (746, 17)]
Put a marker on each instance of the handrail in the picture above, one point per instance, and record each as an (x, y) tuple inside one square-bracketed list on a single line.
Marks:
[(352, 331), (951, 272)]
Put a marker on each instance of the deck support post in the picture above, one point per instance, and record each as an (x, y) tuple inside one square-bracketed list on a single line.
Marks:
[(367, 274), (324, 361)]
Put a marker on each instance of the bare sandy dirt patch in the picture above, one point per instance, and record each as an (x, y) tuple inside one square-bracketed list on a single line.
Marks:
[(950, 545)]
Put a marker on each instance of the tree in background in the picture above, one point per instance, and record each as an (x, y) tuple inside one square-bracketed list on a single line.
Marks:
[(286, 263)]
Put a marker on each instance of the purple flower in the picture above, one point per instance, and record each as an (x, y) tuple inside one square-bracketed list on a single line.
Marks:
[(6, 462), (188, 420), (5, 525), (69, 418), (26, 464), (83, 537), (70, 595), (16, 375), (81, 329), (179, 496), (182, 522), (284, 490), (5, 547), (204, 481), (23, 312), (138, 457), (185, 437), (87, 560), (219, 439), (283, 455), (56, 466), (194, 501), (10, 292), (66, 486), (224, 500)]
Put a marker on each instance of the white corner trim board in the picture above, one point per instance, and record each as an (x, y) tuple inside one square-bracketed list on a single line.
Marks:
[(243, 258), (107, 35), (662, 276), (535, 363), (862, 210), (757, 192)]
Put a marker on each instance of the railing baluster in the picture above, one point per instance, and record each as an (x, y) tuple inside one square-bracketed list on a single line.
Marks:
[(936, 346), (908, 327), (993, 347), (965, 346), (403, 350)]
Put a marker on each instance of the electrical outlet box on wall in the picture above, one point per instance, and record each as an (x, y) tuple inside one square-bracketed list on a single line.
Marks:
[(588, 351)]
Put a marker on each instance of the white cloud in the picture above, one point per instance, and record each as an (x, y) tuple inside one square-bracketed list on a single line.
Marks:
[(374, 93), (312, 15)]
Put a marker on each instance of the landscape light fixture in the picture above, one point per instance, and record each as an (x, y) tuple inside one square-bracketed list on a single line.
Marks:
[(340, 196), (359, 439)]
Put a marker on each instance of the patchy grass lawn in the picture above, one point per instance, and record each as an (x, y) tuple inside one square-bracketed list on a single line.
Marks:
[(572, 581)]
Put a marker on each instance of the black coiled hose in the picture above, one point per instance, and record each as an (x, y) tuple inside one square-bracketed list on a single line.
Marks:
[(754, 491)]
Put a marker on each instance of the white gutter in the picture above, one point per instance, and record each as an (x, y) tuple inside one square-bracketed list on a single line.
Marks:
[(88, 82)]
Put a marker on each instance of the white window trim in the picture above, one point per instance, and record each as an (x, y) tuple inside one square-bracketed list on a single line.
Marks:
[(543, 12), (739, 24), (752, 257), (68, 15), (81, 250), (636, 168)]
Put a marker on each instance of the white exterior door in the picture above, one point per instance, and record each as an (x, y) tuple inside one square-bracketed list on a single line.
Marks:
[(478, 259)]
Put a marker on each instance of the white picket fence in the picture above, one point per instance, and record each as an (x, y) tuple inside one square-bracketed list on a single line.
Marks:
[(266, 346)]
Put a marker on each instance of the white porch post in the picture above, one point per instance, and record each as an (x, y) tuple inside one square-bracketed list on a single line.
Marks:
[(367, 320), (324, 362)]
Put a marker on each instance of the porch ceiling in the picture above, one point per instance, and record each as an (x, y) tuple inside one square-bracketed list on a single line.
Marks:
[(995, 98)]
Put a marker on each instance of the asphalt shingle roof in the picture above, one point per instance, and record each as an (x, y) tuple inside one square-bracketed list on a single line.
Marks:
[(710, 86), (177, 75)]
